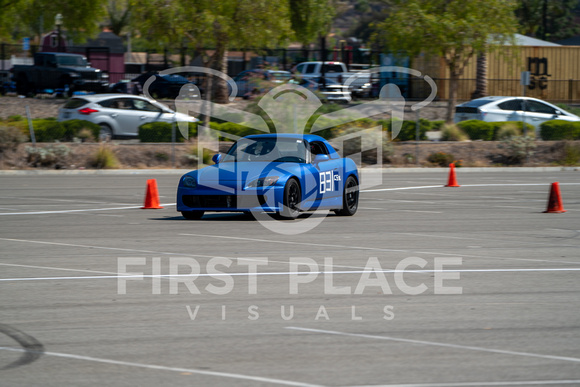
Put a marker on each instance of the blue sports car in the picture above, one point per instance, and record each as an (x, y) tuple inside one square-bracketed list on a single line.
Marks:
[(284, 174)]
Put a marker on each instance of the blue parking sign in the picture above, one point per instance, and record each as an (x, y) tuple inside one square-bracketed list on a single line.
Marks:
[(26, 44)]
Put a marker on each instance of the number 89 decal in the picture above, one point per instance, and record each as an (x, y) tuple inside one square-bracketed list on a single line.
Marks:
[(328, 181)]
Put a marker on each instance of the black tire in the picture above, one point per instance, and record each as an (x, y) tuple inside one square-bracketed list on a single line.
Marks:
[(67, 87), (106, 133), (23, 87), (349, 198), (292, 199), (192, 215)]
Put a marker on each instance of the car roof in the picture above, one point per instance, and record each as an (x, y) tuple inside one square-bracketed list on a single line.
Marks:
[(99, 97), (496, 98), (307, 137)]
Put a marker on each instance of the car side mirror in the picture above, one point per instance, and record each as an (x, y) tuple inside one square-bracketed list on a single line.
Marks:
[(320, 158), (557, 113), (217, 158)]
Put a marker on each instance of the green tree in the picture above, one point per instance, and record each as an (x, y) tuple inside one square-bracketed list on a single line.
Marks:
[(80, 18), (311, 18), (227, 24), (118, 12), (454, 30), (7, 15), (549, 20)]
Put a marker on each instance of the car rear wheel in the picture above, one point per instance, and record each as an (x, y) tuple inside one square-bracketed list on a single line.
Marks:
[(292, 198), (23, 87), (106, 132), (192, 215), (349, 198)]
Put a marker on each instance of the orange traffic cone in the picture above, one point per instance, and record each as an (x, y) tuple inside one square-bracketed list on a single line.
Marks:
[(555, 200), (151, 196), (452, 182)]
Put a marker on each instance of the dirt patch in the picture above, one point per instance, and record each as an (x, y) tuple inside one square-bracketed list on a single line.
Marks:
[(184, 156)]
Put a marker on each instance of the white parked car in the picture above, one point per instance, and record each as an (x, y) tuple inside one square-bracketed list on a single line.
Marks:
[(119, 115), (330, 90), (493, 109)]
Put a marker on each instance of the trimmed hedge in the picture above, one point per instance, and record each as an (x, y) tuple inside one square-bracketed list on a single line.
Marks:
[(235, 129), (49, 130), (477, 130), (409, 128), (161, 132), (560, 130), (72, 128)]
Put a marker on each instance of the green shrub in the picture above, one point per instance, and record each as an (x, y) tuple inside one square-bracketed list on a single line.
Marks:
[(46, 130), (519, 148), (14, 118), (10, 137), (570, 154), (509, 129), (518, 125), (104, 158), (477, 130), (555, 130), (73, 129), (161, 132), (408, 130), (451, 132), (51, 155), (233, 128), (437, 125), (49, 130), (441, 158)]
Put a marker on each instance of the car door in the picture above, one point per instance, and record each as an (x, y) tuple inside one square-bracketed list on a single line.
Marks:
[(329, 174), (537, 113), (510, 110), (142, 112)]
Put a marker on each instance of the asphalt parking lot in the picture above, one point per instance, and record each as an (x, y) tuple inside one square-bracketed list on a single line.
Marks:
[(425, 286)]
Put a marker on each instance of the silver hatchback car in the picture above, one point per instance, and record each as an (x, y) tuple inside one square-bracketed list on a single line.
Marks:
[(493, 109), (119, 115)]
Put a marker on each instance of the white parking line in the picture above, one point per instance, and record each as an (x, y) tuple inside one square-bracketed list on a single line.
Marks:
[(173, 369), (365, 248), (464, 185), (84, 210), (483, 384), (290, 273), (437, 344), (56, 268)]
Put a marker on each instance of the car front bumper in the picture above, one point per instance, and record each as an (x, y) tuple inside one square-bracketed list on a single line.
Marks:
[(269, 199)]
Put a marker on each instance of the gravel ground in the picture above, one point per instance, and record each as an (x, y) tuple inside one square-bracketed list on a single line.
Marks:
[(44, 107)]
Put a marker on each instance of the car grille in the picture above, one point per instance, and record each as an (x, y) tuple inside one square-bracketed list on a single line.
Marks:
[(466, 109), (224, 201), (210, 201)]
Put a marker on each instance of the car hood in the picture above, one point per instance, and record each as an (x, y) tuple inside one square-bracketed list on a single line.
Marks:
[(245, 172)]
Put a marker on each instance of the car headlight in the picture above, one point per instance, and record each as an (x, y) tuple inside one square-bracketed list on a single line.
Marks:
[(263, 182), (104, 75), (189, 182), (74, 75)]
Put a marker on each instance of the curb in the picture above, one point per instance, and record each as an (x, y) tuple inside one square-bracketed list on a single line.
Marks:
[(148, 172)]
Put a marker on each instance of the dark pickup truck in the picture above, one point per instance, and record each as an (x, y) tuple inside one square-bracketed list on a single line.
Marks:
[(59, 72)]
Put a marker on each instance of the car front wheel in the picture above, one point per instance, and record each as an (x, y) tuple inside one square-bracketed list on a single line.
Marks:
[(192, 215), (292, 198), (349, 198)]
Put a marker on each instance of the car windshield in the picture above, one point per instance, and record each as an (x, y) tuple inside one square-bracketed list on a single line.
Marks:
[(66, 60), (270, 149)]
